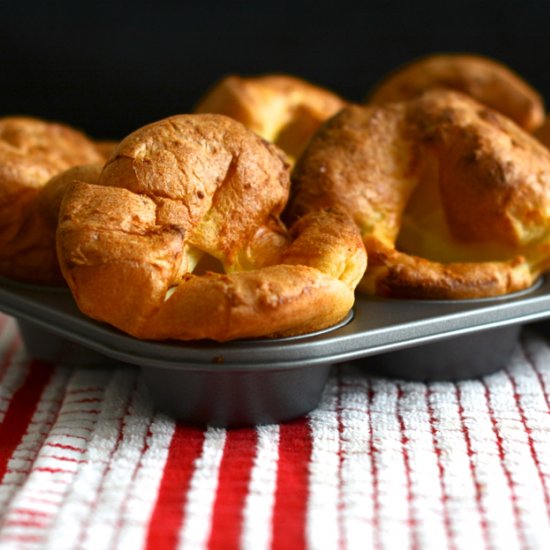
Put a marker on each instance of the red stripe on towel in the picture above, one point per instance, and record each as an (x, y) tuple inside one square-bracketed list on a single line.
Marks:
[(373, 452), (531, 443), (341, 452), (440, 468), (484, 524), (168, 514), (235, 470), (289, 513), (21, 410), (408, 472), (507, 473)]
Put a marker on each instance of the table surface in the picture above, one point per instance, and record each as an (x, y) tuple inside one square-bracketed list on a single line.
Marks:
[(87, 463)]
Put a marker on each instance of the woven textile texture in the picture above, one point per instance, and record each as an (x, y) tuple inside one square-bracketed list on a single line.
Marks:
[(87, 463)]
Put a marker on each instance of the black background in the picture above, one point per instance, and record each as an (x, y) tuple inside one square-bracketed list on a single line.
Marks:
[(110, 67)]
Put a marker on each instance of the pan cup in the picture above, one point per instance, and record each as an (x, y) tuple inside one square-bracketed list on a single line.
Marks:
[(474, 354)]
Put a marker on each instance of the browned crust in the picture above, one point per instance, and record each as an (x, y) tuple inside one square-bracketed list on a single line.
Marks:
[(486, 80), (280, 108), (31, 153), (203, 182), (398, 275), (473, 185)]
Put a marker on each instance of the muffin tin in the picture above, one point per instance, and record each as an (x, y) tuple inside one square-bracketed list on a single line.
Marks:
[(272, 380)]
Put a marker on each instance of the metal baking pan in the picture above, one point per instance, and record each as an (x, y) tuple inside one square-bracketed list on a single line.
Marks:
[(272, 380)]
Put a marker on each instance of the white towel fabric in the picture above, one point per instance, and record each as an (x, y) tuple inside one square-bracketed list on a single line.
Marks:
[(87, 463)]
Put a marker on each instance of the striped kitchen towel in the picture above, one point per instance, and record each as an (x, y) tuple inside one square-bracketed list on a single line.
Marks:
[(87, 463)]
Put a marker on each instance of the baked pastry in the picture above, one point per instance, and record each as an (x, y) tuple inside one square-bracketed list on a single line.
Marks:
[(33, 151), (452, 198), (202, 188), (486, 80), (282, 109)]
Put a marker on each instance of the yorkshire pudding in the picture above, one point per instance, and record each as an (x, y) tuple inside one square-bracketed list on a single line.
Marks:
[(31, 153), (202, 188), (282, 109), (452, 198), (484, 79)]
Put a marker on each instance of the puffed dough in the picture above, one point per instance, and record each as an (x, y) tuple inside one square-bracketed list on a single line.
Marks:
[(282, 109), (32, 152), (452, 198), (486, 80), (194, 186)]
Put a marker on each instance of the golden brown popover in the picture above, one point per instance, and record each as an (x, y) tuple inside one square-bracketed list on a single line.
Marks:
[(283, 109), (451, 197), (33, 151), (196, 189), (484, 79)]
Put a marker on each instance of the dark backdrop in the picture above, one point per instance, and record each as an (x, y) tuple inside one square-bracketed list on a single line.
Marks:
[(109, 67)]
